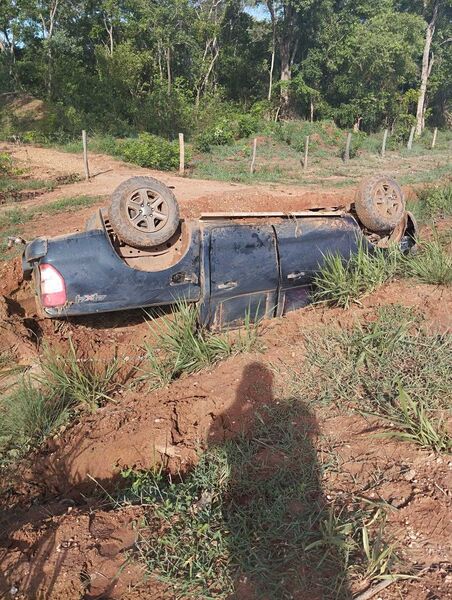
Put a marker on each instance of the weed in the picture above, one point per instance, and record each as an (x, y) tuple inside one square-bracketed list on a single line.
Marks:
[(180, 345), (79, 382), (254, 508), (363, 366), (432, 203), (341, 282), (28, 416), (431, 264), (411, 421), (67, 204)]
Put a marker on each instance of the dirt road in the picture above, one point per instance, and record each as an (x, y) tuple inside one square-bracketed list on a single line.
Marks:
[(193, 194)]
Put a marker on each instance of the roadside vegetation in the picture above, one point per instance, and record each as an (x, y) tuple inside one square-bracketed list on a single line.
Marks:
[(341, 282), (180, 345), (12, 219), (391, 368), (253, 513), (38, 405)]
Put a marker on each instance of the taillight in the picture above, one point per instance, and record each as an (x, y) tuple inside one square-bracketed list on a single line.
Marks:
[(53, 288)]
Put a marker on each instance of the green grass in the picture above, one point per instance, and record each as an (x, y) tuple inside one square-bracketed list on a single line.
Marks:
[(37, 406), (19, 216), (179, 345), (431, 264), (432, 203), (411, 421), (28, 416), (11, 219), (254, 509), (81, 383), (365, 367), (341, 282)]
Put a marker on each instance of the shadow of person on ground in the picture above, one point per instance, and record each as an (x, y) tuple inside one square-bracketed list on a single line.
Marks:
[(273, 506)]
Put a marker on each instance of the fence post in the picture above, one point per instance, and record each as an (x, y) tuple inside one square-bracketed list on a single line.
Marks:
[(181, 154), (306, 152), (435, 133), (383, 146), (411, 138), (253, 160), (347, 147), (85, 154)]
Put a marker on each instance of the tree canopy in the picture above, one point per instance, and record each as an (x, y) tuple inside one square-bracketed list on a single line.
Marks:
[(155, 65)]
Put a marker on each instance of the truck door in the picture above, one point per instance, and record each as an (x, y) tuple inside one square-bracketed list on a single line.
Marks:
[(302, 245), (244, 273)]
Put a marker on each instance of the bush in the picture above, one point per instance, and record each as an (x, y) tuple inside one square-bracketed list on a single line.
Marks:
[(149, 150), (221, 134), (6, 164)]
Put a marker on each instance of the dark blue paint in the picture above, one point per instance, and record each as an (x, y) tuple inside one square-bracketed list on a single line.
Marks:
[(263, 269)]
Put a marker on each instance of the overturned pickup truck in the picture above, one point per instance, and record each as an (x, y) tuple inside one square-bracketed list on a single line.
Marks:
[(139, 253)]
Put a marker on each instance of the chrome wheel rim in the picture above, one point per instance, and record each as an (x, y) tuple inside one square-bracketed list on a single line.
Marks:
[(146, 210)]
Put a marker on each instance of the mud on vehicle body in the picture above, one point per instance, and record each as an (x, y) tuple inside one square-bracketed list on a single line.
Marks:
[(230, 264)]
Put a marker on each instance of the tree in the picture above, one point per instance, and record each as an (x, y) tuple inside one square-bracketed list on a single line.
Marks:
[(287, 18)]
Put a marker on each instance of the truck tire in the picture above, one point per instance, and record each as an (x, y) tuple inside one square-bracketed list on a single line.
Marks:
[(143, 212), (380, 204)]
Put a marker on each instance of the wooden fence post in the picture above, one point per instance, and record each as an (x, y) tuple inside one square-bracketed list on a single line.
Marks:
[(253, 160), (411, 138), (347, 147), (181, 154), (435, 133), (383, 146), (85, 154), (306, 152)]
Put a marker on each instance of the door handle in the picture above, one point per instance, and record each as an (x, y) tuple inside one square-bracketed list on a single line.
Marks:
[(182, 277), (296, 275), (227, 285)]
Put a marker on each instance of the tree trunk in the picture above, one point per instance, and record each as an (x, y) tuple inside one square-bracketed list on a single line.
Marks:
[(312, 111), (420, 113), (272, 64), (286, 72), (168, 68)]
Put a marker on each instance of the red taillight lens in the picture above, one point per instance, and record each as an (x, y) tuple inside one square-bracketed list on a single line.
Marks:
[(53, 288)]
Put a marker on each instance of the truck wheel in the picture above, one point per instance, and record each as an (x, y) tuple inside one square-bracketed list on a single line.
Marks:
[(143, 212), (380, 204)]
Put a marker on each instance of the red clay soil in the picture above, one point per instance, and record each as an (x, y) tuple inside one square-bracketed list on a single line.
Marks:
[(58, 538)]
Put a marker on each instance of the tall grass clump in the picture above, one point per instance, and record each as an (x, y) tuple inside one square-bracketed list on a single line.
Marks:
[(341, 282), (433, 203), (410, 420), (180, 345), (431, 264), (28, 416), (84, 383)]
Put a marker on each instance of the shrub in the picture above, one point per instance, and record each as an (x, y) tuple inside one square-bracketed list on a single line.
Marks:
[(220, 134), (149, 150), (6, 164)]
